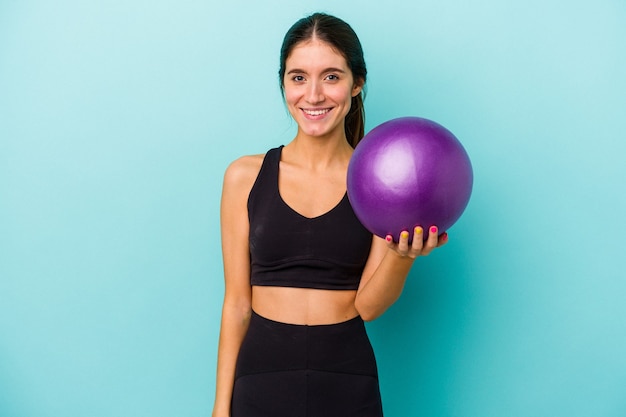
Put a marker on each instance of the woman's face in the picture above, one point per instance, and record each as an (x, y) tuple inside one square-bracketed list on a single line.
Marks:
[(318, 88)]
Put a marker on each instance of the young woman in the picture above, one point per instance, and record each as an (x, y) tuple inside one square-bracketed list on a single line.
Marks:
[(301, 272)]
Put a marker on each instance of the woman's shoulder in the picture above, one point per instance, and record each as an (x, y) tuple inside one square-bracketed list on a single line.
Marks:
[(243, 170)]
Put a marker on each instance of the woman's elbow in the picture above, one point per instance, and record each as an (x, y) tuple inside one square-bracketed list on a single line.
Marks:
[(367, 313), (369, 317)]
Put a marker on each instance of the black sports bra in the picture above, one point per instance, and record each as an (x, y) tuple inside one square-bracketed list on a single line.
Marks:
[(290, 250)]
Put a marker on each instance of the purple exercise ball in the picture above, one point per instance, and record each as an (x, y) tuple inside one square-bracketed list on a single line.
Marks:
[(409, 172)]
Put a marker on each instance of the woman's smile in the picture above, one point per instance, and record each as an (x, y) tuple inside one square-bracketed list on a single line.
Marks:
[(316, 114)]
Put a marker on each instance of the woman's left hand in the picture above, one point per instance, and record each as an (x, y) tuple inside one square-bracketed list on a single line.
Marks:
[(419, 246)]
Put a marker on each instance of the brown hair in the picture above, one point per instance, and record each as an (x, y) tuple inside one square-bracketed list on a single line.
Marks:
[(344, 40)]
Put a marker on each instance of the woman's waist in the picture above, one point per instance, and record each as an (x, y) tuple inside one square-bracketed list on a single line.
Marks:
[(304, 306)]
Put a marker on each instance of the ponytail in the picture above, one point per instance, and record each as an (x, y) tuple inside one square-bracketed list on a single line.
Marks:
[(355, 121)]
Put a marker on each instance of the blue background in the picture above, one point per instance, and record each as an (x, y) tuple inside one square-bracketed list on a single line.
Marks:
[(118, 118)]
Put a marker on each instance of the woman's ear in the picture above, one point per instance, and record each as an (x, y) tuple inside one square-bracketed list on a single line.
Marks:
[(357, 87)]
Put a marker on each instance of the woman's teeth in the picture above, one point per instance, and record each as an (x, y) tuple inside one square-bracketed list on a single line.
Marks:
[(316, 112)]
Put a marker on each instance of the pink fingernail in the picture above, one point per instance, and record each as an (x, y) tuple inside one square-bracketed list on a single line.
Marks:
[(388, 238), (433, 229)]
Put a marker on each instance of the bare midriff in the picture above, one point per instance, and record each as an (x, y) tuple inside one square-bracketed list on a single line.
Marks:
[(304, 305)]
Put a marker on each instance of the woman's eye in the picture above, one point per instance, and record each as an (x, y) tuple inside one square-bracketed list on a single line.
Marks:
[(298, 78), (332, 77)]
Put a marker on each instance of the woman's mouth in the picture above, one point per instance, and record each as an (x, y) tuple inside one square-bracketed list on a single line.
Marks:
[(315, 112)]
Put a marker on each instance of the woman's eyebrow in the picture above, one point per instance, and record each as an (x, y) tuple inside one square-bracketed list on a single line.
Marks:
[(301, 71)]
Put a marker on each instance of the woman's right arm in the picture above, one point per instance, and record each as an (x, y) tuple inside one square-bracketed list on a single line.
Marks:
[(236, 310)]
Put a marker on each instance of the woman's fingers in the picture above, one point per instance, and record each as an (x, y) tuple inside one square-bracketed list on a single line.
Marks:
[(418, 240), (403, 243), (443, 239), (418, 246), (431, 242)]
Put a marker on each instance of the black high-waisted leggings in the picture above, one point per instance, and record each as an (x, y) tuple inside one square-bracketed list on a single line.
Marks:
[(306, 371)]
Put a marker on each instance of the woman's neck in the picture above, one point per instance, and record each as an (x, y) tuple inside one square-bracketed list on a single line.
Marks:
[(318, 153)]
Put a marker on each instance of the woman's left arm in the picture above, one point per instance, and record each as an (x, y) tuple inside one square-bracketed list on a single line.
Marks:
[(387, 268)]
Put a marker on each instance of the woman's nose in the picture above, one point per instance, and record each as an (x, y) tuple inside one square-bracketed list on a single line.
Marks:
[(315, 93)]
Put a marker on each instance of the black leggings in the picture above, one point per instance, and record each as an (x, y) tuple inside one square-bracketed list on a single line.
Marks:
[(306, 371)]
